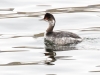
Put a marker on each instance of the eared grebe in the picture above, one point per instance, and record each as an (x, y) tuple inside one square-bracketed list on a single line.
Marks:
[(58, 37)]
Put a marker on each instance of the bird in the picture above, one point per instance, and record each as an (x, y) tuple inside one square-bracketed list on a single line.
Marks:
[(61, 38)]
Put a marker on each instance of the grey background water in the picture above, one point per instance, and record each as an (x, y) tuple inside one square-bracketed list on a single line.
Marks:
[(21, 37)]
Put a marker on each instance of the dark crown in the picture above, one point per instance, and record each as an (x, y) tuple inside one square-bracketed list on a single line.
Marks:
[(49, 17)]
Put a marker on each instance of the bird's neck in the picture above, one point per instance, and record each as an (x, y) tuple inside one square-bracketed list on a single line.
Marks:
[(51, 26), (50, 29)]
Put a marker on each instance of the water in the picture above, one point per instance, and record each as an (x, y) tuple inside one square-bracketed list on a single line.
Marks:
[(22, 42)]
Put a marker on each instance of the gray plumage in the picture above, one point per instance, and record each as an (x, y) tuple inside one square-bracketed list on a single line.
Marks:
[(62, 38)]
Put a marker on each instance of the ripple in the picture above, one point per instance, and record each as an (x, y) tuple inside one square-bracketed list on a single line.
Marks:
[(91, 29), (7, 9), (89, 8), (13, 51), (19, 63), (95, 71), (38, 35), (29, 47)]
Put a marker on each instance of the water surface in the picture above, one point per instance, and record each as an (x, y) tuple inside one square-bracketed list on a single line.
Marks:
[(22, 42)]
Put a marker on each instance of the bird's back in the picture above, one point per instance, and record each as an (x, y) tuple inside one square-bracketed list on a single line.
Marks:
[(62, 38)]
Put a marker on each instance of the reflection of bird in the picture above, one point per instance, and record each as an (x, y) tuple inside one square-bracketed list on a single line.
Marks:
[(61, 37), (51, 56)]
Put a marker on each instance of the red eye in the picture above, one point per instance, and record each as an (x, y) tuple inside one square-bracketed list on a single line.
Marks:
[(45, 18)]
